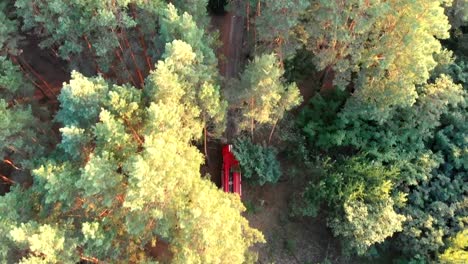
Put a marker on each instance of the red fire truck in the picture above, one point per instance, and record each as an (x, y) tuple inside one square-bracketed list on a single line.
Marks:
[(230, 173)]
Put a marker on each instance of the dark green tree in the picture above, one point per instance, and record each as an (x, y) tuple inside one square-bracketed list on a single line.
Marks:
[(259, 163), (359, 195)]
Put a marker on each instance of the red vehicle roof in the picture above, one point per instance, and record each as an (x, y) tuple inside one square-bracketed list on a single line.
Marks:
[(231, 176)]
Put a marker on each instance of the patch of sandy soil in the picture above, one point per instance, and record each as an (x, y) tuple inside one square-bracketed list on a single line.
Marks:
[(289, 239)]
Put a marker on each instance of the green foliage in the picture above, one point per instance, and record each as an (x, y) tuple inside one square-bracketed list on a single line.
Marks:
[(12, 82), (258, 163), (91, 33), (457, 252), (359, 195), (196, 8), (426, 142), (300, 66), (458, 13), (455, 67), (364, 225), (20, 136), (436, 209), (199, 67), (371, 47), (184, 27), (126, 174), (81, 93), (328, 123), (8, 32), (437, 204), (320, 122), (184, 73), (275, 23), (265, 97), (23, 138), (19, 126), (45, 244), (10, 218)]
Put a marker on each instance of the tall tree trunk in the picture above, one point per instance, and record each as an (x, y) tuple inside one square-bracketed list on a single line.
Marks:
[(259, 8), (38, 76), (142, 40), (252, 120), (248, 15), (130, 75), (120, 56), (272, 131), (26, 74), (280, 52), (206, 144), (91, 52), (132, 55)]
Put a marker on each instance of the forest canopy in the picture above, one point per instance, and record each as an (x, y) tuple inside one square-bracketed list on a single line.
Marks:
[(357, 108)]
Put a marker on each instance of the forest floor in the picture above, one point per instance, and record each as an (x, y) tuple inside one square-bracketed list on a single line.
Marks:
[(289, 240)]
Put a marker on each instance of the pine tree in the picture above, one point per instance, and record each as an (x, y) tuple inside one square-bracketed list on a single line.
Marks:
[(196, 8), (97, 36), (8, 28), (275, 22), (126, 176), (381, 50), (265, 97), (23, 139), (359, 196), (13, 84)]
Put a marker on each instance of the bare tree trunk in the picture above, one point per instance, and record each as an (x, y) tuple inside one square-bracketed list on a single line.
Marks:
[(91, 52), (252, 120), (206, 145), (248, 15), (132, 55), (259, 12), (272, 131), (26, 74), (142, 40)]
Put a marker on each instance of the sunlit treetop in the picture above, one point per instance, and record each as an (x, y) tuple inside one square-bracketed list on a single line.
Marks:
[(381, 50), (134, 180)]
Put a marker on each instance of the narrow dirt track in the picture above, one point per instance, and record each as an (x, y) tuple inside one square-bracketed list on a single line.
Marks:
[(231, 30)]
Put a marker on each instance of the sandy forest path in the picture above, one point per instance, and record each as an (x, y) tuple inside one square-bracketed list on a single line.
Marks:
[(231, 35), (231, 29)]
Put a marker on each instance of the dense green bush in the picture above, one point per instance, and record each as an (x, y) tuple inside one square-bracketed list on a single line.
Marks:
[(359, 196), (258, 163)]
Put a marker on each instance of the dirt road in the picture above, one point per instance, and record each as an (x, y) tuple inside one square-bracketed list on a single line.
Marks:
[(231, 29)]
